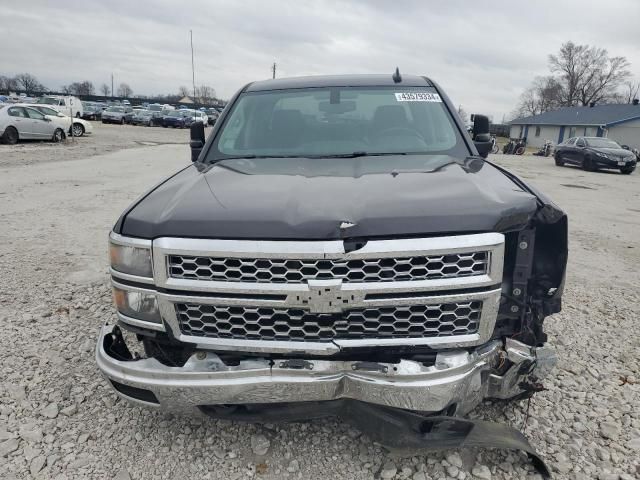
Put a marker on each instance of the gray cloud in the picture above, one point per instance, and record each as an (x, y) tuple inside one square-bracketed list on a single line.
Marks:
[(482, 53)]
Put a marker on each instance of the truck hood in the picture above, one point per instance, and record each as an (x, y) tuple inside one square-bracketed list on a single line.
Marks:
[(312, 198)]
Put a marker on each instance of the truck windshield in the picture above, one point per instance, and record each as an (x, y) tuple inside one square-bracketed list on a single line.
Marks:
[(338, 121)]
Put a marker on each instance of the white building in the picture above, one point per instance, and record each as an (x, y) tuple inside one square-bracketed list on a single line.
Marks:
[(617, 122)]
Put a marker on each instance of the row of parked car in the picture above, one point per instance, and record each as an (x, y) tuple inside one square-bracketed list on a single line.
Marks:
[(150, 115), (176, 118), (54, 117)]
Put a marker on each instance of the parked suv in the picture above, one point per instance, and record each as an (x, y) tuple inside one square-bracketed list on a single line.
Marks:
[(337, 240)]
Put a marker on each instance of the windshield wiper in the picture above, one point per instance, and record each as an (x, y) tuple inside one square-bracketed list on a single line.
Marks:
[(359, 154), (337, 155), (252, 156)]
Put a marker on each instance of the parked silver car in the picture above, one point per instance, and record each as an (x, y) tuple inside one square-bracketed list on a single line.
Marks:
[(117, 114), (25, 123)]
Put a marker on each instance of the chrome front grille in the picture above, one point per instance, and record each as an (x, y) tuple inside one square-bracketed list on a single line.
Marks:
[(270, 270), (316, 297), (255, 323)]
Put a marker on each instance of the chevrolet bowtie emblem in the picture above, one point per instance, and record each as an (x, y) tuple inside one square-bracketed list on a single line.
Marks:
[(326, 296), (345, 225)]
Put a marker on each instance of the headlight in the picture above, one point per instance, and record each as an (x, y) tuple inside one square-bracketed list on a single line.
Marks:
[(137, 304), (131, 256)]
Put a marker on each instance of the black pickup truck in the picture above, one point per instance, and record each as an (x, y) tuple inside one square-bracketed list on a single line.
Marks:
[(336, 238)]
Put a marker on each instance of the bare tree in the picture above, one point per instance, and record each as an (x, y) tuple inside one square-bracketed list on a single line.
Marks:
[(205, 94), (544, 94), (630, 92), (80, 88), (29, 83), (124, 90), (183, 91), (587, 74), (7, 84), (105, 90)]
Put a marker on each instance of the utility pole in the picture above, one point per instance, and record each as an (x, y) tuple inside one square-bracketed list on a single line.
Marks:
[(273, 70), (193, 70), (112, 86)]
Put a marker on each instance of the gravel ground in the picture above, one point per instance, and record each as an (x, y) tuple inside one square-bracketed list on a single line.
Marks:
[(58, 419)]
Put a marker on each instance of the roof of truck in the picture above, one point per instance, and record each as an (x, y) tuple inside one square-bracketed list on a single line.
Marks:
[(376, 80)]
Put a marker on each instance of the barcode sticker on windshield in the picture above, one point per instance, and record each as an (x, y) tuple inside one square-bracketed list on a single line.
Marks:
[(418, 97)]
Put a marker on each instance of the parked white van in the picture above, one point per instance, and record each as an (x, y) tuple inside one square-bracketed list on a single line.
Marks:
[(63, 104)]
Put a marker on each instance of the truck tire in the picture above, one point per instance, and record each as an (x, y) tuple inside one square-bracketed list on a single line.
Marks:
[(10, 136)]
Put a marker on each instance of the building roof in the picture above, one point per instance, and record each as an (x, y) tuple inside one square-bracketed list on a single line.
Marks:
[(599, 115), (185, 100), (339, 81)]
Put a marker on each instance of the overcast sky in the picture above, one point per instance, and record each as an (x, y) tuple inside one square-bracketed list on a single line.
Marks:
[(482, 53)]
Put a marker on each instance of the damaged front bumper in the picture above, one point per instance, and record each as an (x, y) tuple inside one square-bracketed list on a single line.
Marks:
[(457, 381)]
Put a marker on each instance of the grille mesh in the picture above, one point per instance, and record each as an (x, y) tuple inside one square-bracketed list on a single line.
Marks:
[(350, 271), (257, 323)]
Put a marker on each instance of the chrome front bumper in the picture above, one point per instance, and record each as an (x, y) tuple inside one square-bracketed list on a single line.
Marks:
[(457, 378)]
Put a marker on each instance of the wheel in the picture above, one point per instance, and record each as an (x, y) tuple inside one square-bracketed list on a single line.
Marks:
[(104, 121), (558, 159), (78, 130), (11, 136), (627, 170), (58, 135), (587, 164), (122, 121), (519, 150)]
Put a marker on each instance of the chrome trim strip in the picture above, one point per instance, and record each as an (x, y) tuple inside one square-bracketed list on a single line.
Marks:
[(128, 241), (297, 288), (131, 278), (140, 323)]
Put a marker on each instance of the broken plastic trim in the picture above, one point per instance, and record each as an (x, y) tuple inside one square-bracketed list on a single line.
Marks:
[(396, 429)]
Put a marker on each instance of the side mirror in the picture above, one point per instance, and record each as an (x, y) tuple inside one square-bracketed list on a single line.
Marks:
[(197, 139), (480, 134)]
